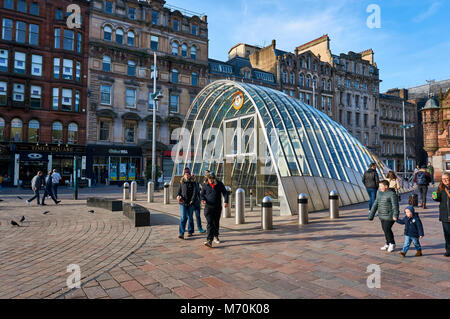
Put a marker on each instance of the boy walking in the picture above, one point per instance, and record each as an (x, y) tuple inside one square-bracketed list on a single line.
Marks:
[(413, 231)]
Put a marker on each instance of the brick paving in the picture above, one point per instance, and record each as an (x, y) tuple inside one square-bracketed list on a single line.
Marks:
[(324, 259)]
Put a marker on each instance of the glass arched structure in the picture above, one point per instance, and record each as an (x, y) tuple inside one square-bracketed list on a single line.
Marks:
[(266, 142)]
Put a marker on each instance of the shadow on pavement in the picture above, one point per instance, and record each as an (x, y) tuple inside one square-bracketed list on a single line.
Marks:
[(159, 219)]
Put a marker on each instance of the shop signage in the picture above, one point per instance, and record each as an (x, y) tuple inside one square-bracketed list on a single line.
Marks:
[(53, 148), (34, 156), (238, 100), (113, 151)]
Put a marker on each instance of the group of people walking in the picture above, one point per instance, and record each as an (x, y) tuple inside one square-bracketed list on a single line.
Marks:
[(384, 199), (190, 197), (50, 183)]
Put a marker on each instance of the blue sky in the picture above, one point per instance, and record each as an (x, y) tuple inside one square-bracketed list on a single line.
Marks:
[(411, 46)]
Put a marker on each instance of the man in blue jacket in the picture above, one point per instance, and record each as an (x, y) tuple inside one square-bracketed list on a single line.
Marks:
[(413, 230)]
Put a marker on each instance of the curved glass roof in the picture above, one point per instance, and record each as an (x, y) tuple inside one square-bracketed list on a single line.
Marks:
[(305, 141)]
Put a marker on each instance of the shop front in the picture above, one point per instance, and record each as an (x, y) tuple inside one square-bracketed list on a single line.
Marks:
[(113, 164)]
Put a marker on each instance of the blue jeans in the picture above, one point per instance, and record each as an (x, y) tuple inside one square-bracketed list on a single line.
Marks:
[(186, 213), (197, 217), (372, 194), (408, 241)]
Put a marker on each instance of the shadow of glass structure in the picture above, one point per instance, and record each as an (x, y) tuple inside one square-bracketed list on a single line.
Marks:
[(264, 141)]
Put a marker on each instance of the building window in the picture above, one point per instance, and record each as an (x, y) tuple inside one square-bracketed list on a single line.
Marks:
[(57, 38), (105, 94), (34, 34), (16, 134), (301, 80), (349, 118), (22, 6), (366, 120), (2, 129), (106, 65), (174, 76), (8, 4), (132, 13), (340, 116), (184, 50), (18, 92), (69, 37), (155, 17), (104, 129), (292, 78), (130, 38), (194, 29), (56, 67), (175, 25), (194, 79), (174, 48), (131, 68), (108, 7), (314, 66), (67, 69), (21, 31), (19, 62), (4, 60), (107, 33), (72, 133), (308, 98), (348, 83), (151, 102), (329, 85), (57, 133), (119, 36), (33, 131), (329, 103), (130, 132), (55, 99), (78, 72), (154, 42), (66, 102), (34, 8), (3, 90), (131, 98), (59, 14), (193, 52), (308, 81), (174, 104), (348, 99), (35, 96), (79, 42), (36, 65), (7, 29)]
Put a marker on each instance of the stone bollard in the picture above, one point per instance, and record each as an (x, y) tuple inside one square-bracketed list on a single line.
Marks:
[(334, 204), (126, 191), (240, 206), (251, 200), (267, 218), (166, 194), (227, 210), (303, 209), (150, 191), (133, 190)]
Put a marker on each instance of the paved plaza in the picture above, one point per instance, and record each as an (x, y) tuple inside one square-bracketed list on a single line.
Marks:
[(324, 259)]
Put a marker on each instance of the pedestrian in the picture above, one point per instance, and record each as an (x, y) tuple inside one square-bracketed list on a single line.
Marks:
[(55, 182), (413, 231), (430, 170), (212, 199), (386, 204), (1, 182), (48, 189), (394, 185), (187, 194), (442, 195), (36, 183), (422, 179), (371, 180), (197, 207)]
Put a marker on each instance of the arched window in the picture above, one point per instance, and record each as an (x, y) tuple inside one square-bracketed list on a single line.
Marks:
[(106, 65), (301, 79), (329, 85), (131, 68), (73, 133), (174, 48), (292, 78), (284, 77), (174, 76), (315, 66), (323, 84), (57, 133), (16, 130), (302, 63), (2, 129), (315, 82), (130, 37), (33, 131), (193, 52), (119, 36), (184, 50), (107, 33)]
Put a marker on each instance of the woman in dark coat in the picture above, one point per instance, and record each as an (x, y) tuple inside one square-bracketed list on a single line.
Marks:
[(443, 197)]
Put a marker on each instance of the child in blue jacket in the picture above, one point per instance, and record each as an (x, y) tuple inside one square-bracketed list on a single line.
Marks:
[(413, 230)]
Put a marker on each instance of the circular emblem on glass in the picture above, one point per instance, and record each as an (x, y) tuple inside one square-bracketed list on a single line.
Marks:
[(238, 100)]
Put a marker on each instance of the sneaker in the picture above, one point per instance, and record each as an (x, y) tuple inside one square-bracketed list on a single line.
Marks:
[(402, 253), (208, 244), (28, 203), (418, 253), (57, 202), (43, 204), (181, 236), (217, 240), (201, 231), (447, 254), (190, 234), (385, 247), (391, 248)]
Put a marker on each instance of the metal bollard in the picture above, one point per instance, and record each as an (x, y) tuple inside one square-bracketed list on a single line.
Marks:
[(334, 204), (126, 191), (133, 190), (240, 206), (267, 218), (166, 194), (303, 209), (227, 210), (150, 190), (251, 200)]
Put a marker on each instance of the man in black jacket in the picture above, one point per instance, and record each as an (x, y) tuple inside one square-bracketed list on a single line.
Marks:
[(187, 195), (371, 181), (212, 199)]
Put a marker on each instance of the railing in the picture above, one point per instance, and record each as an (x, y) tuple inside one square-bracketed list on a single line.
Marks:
[(406, 179)]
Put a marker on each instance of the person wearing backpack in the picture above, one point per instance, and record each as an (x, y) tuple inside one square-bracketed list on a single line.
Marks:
[(371, 180), (422, 179)]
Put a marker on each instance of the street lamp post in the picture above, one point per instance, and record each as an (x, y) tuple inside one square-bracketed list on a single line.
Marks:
[(156, 98)]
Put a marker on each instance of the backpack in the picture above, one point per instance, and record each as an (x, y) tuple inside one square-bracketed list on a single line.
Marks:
[(421, 179)]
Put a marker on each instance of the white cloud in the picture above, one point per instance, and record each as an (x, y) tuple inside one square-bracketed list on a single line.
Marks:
[(425, 15)]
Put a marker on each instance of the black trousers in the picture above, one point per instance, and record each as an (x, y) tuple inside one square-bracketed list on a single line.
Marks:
[(36, 195), (212, 215), (446, 227), (48, 193), (386, 225), (423, 189)]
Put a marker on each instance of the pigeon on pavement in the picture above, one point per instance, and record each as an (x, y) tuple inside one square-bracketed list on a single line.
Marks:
[(19, 197), (46, 212), (1, 200), (91, 211), (22, 219), (14, 223)]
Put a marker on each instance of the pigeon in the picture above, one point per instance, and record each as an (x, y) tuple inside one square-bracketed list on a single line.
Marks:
[(19, 197), (14, 223), (1, 200), (46, 212), (91, 211), (22, 219)]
